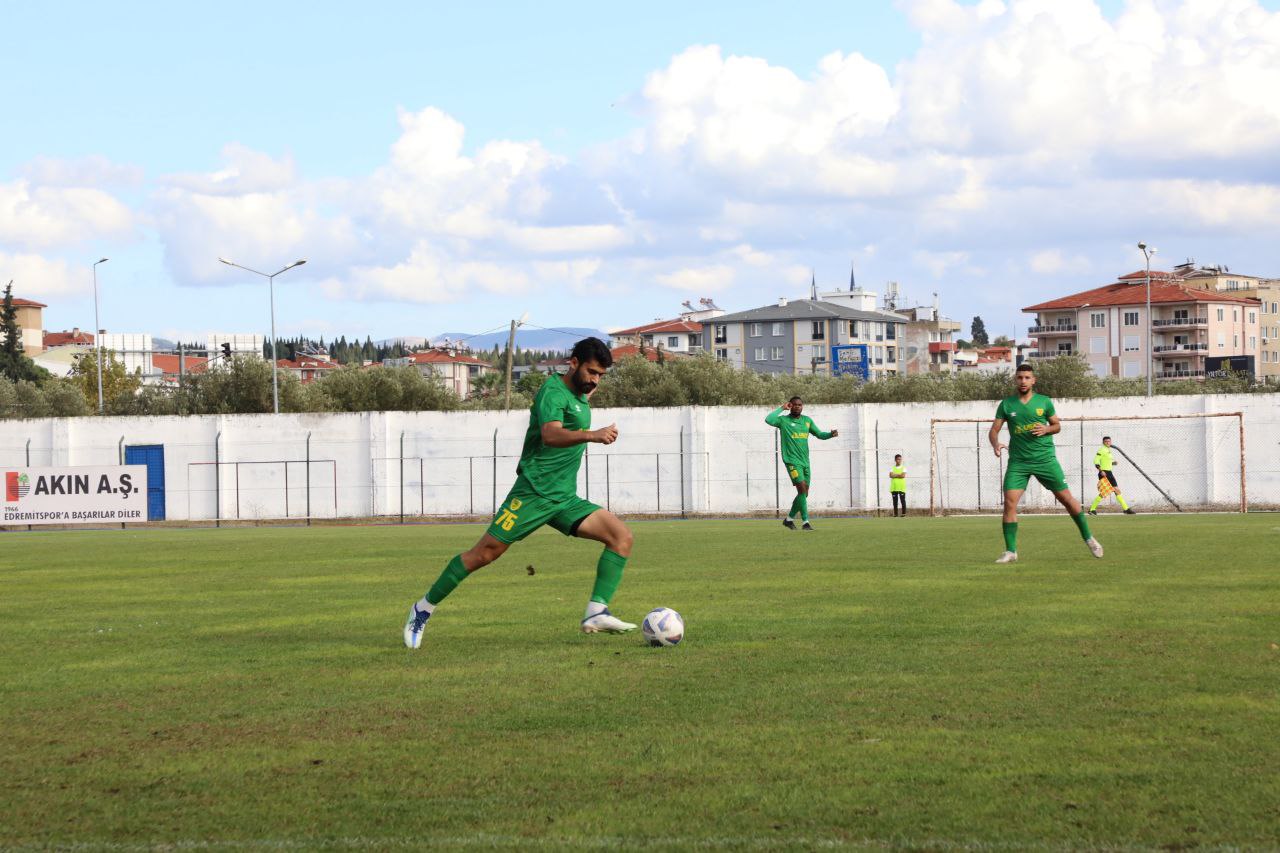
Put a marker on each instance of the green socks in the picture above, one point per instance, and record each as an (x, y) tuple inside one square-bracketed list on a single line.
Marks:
[(608, 576), (1011, 536), (804, 507), (448, 580), (1082, 522)]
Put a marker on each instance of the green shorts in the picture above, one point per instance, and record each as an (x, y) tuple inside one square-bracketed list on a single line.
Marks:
[(799, 473), (524, 511), (1049, 474)]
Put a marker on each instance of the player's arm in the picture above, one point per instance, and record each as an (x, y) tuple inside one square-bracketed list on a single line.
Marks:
[(1053, 427), (775, 417), (818, 433), (554, 434), (993, 435)]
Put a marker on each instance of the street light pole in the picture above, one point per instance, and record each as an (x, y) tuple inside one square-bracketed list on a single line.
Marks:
[(1147, 252), (97, 329), (271, 287)]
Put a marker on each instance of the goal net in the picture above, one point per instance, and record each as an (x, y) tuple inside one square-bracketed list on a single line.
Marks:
[(1172, 463)]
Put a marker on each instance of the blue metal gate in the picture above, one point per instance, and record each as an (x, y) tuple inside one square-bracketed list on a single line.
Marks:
[(151, 455)]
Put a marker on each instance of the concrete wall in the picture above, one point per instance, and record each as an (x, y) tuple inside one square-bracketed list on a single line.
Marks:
[(699, 460)]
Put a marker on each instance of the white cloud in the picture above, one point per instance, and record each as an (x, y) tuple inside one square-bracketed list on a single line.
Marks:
[(36, 277), (245, 172), (39, 217), (707, 279), (93, 171), (1052, 261)]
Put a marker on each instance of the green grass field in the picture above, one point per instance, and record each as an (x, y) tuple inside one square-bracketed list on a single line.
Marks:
[(877, 682)]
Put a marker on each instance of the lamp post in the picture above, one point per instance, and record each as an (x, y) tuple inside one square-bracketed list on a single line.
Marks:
[(97, 329), (1147, 252), (271, 281)]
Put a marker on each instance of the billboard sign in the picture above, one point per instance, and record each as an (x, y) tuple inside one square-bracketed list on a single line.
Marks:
[(80, 495), (850, 360), (1221, 366)]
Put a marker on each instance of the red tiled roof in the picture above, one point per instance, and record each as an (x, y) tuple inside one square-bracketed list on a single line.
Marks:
[(27, 303), (435, 356), (307, 362), (1127, 292), (650, 353), (57, 339), (676, 325), (168, 363)]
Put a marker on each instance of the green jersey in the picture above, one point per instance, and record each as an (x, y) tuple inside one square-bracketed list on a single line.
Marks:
[(899, 483), (552, 472), (1103, 458), (1025, 446), (795, 435)]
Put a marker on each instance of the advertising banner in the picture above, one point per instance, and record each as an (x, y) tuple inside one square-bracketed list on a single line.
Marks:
[(850, 360), (1222, 366), (88, 495)]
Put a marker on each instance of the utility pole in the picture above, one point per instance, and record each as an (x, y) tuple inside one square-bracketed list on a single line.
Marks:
[(511, 342)]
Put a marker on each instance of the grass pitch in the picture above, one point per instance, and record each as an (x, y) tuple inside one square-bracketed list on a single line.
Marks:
[(876, 682)]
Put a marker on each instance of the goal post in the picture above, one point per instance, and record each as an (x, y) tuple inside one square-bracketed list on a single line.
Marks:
[(1173, 463)]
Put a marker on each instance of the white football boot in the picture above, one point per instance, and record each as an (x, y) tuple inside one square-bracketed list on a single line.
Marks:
[(414, 626), (1095, 547), (1008, 557), (605, 622)]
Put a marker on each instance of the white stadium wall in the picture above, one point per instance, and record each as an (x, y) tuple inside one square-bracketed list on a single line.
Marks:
[(693, 460)]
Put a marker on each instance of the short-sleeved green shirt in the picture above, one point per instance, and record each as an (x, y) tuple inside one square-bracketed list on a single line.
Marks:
[(552, 472), (795, 434), (1024, 446)]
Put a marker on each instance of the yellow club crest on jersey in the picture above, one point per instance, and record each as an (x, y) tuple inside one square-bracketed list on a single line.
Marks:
[(1039, 412)]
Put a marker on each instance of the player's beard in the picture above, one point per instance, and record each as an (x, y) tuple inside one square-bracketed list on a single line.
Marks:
[(580, 385)]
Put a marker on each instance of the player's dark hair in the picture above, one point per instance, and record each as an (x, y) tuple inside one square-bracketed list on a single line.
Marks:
[(592, 349), (793, 399), (1025, 367), (1106, 438), (897, 456)]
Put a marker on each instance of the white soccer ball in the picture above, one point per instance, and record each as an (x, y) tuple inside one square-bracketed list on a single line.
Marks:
[(662, 626)]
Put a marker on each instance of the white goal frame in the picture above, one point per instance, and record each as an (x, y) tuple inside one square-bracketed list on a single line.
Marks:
[(935, 476)]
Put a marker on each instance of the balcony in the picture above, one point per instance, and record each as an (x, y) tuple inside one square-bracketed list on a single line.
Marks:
[(1177, 349), (1061, 329), (1180, 322), (942, 346), (1180, 374)]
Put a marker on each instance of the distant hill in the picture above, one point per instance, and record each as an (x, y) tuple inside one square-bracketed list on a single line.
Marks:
[(553, 340)]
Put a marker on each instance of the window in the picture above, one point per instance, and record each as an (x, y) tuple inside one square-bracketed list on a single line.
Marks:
[(673, 342), (777, 329), (722, 354), (1274, 306), (891, 353), (1253, 317), (1131, 318), (819, 330), (1132, 368), (879, 352), (1130, 343), (695, 341), (1222, 338), (722, 334), (1182, 314), (1235, 342), (879, 327), (759, 353), (890, 331), (1064, 348), (1220, 313), (775, 354), (1098, 320), (1097, 344), (1253, 342), (1235, 315), (853, 328), (1232, 284), (819, 352), (755, 330)]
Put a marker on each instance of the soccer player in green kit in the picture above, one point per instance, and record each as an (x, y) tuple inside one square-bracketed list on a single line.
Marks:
[(1032, 425), (545, 492), (795, 429)]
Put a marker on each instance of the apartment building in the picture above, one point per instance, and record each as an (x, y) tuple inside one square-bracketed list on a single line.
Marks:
[(457, 369), (1190, 329), (930, 343), (798, 336), (29, 317), (1266, 290)]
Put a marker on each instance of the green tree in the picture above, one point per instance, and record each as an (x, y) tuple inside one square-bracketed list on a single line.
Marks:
[(380, 389), (13, 361), (117, 382), (978, 332)]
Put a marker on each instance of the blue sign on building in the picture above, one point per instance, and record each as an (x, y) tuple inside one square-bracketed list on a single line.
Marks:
[(850, 360)]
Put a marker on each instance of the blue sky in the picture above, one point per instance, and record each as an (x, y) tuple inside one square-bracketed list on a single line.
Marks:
[(450, 166)]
